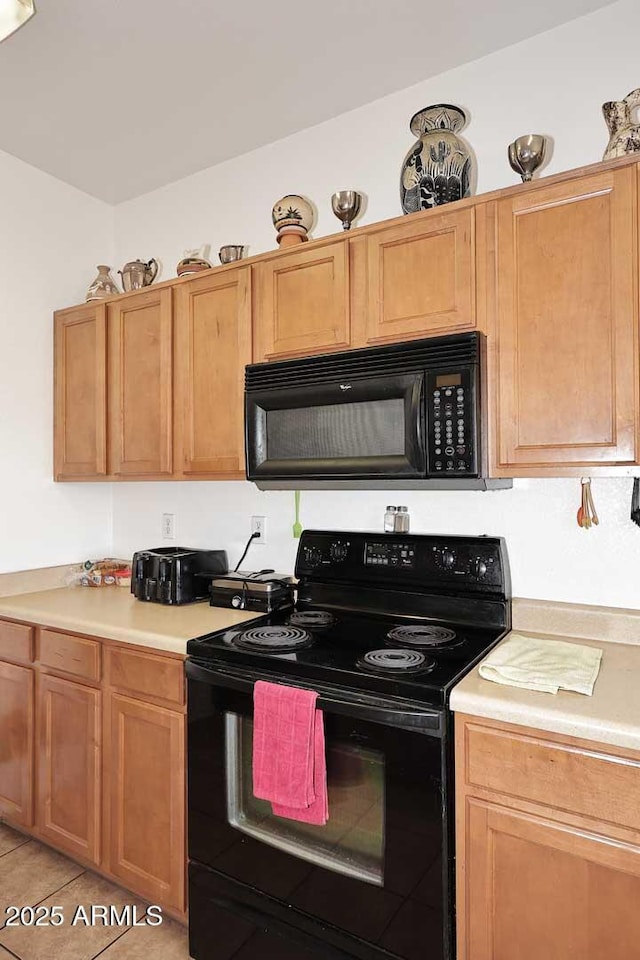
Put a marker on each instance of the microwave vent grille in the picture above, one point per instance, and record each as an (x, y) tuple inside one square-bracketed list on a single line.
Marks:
[(434, 353)]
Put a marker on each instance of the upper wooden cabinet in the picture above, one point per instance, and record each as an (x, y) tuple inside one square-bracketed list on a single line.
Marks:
[(302, 302), (80, 350), (421, 277), (549, 271), (565, 348), (141, 383), (213, 345)]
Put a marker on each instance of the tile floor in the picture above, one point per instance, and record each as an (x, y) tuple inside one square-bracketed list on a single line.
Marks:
[(32, 874)]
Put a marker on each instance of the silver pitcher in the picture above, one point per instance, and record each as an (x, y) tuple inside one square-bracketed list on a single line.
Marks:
[(137, 274)]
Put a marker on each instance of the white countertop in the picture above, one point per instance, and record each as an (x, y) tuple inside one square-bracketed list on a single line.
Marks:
[(611, 715), (114, 614)]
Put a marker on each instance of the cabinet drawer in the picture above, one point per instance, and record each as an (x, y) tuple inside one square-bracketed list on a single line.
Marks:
[(16, 642), (146, 675), (76, 656), (566, 778)]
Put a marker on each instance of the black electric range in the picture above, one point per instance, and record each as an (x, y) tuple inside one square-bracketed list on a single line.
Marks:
[(383, 627)]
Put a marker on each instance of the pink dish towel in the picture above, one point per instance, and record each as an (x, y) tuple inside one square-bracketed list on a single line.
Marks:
[(289, 763)]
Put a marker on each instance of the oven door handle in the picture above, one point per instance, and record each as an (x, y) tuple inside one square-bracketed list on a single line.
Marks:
[(393, 712)]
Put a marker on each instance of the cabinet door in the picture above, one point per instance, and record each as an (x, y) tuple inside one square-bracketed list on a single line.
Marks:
[(80, 395), (213, 346), (535, 889), (140, 381), (16, 744), (69, 771), (302, 303), (565, 356), (421, 278), (146, 793)]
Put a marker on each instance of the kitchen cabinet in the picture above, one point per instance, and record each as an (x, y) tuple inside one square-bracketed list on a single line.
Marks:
[(69, 766), (16, 741), (145, 793), (549, 271), (146, 803), (560, 816), (302, 302), (213, 346), (92, 755), (141, 384), (421, 277), (564, 327), (80, 392)]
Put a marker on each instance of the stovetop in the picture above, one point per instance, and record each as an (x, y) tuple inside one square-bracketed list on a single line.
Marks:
[(334, 655), (364, 602)]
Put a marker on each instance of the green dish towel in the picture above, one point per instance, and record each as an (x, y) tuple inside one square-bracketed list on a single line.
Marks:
[(547, 665)]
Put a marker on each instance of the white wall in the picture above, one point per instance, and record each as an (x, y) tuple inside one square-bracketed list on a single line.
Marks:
[(553, 84), (51, 238)]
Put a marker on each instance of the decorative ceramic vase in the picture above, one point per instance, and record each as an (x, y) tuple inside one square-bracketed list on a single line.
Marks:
[(193, 262), (103, 286), (624, 134), (292, 217), (137, 274), (437, 168)]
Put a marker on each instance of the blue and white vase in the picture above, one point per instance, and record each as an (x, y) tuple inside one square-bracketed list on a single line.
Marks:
[(437, 169)]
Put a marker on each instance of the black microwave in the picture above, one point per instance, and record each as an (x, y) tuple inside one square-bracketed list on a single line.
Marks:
[(403, 415)]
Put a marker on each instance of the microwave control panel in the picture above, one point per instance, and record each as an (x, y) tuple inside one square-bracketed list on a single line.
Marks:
[(452, 422)]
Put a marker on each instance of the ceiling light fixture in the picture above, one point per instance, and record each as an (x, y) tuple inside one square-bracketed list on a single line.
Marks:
[(13, 13)]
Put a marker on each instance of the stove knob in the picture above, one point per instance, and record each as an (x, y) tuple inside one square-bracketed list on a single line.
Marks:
[(478, 567), (338, 551), (313, 556), (448, 559)]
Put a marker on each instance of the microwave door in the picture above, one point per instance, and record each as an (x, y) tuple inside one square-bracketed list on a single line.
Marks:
[(349, 429)]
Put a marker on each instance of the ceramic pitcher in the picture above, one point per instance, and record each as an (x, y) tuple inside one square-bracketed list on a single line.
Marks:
[(137, 274)]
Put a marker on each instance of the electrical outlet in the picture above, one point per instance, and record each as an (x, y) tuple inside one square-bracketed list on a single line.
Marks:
[(259, 526), (168, 526)]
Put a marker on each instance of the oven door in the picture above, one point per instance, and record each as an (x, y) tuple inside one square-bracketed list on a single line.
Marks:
[(374, 882), (359, 429)]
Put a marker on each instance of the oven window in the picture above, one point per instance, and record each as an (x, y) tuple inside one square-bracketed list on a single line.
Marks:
[(373, 428), (352, 842)]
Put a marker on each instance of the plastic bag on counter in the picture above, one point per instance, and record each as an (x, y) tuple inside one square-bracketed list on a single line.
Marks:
[(101, 573)]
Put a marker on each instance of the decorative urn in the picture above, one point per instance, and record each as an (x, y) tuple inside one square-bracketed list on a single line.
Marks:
[(293, 218)]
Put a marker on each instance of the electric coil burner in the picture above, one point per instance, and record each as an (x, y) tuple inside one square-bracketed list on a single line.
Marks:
[(384, 626), (281, 639), (395, 661), (312, 619), (423, 636)]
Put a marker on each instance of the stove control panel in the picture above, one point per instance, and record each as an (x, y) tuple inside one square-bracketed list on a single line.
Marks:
[(321, 553), (382, 553), (425, 563), (469, 562)]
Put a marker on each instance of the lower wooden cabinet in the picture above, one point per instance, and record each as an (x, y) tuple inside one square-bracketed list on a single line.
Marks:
[(16, 743), (69, 766), (540, 889), (93, 763), (146, 799), (548, 846)]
